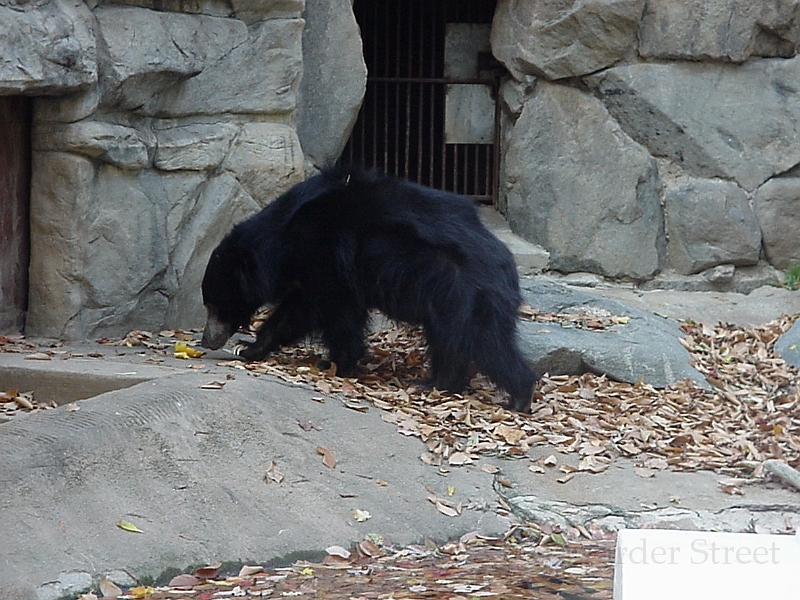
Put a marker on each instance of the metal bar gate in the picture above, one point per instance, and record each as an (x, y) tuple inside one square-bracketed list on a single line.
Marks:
[(417, 56)]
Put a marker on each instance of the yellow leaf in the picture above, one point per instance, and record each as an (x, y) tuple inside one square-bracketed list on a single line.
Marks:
[(185, 351), (451, 490), (142, 591), (123, 524), (307, 571)]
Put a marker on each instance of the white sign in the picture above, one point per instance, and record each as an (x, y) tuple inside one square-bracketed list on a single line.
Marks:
[(654, 564)]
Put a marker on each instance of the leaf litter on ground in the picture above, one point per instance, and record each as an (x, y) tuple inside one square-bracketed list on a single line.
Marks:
[(529, 561), (751, 414)]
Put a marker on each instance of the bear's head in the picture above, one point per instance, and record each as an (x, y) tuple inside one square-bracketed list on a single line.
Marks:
[(229, 294)]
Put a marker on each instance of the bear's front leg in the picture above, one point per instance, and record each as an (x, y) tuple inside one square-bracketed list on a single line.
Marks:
[(288, 323)]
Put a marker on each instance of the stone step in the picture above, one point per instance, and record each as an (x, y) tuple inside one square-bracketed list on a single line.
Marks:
[(531, 258)]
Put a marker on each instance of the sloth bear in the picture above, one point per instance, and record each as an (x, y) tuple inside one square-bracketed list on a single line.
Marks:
[(346, 241)]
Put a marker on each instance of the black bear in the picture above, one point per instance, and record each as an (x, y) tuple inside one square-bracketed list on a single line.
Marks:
[(346, 241)]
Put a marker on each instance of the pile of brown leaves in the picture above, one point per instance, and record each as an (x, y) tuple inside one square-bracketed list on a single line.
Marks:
[(519, 566), (751, 414)]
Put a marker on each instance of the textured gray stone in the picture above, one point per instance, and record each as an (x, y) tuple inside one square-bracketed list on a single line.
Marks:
[(334, 82), (267, 67), (192, 146), (724, 30), (788, 345), (137, 246), (46, 47), (125, 147), (267, 160), (581, 188), (777, 208), (252, 11), (563, 39), (144, 52), (710, 223), (735, 122), (646, 348), (60, 196), (221, 203)]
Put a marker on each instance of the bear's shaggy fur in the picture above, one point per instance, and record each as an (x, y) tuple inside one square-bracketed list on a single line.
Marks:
[(344, 242)]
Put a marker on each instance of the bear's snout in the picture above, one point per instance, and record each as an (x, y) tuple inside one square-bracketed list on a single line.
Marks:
[(215, 334)]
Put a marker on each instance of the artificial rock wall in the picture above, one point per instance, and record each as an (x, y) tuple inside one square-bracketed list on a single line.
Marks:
[(643, 135), (154, 132), (638, 136)]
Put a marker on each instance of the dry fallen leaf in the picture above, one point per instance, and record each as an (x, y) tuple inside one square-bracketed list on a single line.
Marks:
[(208, 572), (338, 551), (327, 457), (361, 515), (184, 580), (746, 419), (446, 510), (109, 589), (459, 459), (213, 385), (273, 475)]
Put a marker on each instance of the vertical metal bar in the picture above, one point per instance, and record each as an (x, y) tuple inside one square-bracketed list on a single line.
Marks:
[(457, 168), (431, 88), (487, 171), (473, 172), (410, 70), (420, 111), (497, 141)]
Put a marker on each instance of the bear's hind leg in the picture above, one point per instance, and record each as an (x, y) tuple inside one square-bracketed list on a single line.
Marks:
[(449, 364), (495, 350), (343, 334), (497, 355)]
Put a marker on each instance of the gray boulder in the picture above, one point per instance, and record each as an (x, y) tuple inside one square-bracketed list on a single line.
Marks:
[(125, 147), (577, 185), (686, 112), (563, 39), (723, 30), (46, 47), (145, 51), (788, 345), (645, 348), (710, 223), (192, 146), (269, 66), (777, 207), (334, 79)]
